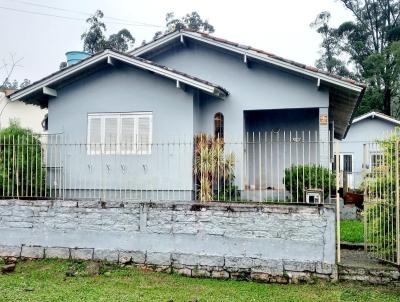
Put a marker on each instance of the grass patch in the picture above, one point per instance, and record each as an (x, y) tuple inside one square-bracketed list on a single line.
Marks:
[(45, 280), (352, 230)]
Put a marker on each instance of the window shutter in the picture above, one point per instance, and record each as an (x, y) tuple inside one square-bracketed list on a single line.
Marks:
[(144, 139), (110, 134), (127, 139), (94, 135)]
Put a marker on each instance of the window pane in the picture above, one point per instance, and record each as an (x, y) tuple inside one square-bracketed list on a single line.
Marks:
[(347, 163), (110, 134), (94, 135), (143, 135), (127, 140)]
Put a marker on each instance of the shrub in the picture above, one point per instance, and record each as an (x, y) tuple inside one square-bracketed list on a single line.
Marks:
[(21, 172), (213, 170), (298, 178)]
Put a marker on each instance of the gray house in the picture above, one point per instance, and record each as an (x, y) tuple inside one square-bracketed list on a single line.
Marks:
[(271, 112), (360, 148)]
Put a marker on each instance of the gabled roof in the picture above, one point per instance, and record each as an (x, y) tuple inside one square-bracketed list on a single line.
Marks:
[(109, 56), (379, 115), (344, 94), (250, 52)]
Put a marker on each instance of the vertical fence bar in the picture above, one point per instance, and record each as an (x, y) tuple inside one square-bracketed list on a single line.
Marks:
[(337, 207), (397, 202)]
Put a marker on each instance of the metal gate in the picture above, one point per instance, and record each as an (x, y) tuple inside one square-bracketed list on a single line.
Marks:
[(382, 199)]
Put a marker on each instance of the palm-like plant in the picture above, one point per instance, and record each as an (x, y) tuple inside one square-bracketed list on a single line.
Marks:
[(213, 169)]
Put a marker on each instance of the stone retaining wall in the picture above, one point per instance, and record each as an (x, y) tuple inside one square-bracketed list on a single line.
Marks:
[(271, 243)]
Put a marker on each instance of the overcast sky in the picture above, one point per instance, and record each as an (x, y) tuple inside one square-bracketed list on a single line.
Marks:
[(278, 26)]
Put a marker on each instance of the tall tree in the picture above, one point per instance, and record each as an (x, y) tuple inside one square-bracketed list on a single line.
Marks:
[(94, 39), (369, 42), (191, 21), (330, 49)]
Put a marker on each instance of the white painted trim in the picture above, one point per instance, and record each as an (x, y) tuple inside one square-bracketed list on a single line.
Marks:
[(107, 55), (119, 116), (374, 114), (49, 91), (250, 54)]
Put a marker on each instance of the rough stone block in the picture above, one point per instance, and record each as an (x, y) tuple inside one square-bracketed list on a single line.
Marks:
[(260, 277), (108, 255), (198, 272), (10, 251), (185, 259), (324, 268), (131, 256), (239, 262), (298, 266), (216, 261), (82, 254), (34, 252), (272, 267), (183, 271), (57, 252), (220, 274), (155, 258)]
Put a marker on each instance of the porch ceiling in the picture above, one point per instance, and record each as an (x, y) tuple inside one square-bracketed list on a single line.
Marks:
[(342, 104)]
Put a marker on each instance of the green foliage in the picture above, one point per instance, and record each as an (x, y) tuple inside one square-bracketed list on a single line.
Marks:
[(21, 172), (191, 21), (94, 39), (380, 186), (352, 230), (370, 44), (297, 178), (213, 169), (45, 280)]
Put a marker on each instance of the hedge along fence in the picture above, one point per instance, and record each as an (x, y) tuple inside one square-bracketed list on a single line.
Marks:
[(302, 177), (21, 166)]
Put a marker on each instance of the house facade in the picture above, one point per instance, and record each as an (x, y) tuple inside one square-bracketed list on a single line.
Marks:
[(27, 116), (360, 149), (136, 114)]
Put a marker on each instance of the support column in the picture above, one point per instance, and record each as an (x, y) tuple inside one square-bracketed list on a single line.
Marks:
[(324, 137)]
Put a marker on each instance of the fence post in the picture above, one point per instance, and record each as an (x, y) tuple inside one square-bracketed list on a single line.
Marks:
[(337, 203), (397, 160)]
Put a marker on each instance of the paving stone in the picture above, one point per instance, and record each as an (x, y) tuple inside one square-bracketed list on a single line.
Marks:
[(10, 251), (82, 254), (108, 255), (156, 258), (57, 252), (34, 252), (131, 256)]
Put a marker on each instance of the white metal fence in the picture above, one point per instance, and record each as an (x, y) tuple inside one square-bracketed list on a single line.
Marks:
[(382, 199), (264, 167)]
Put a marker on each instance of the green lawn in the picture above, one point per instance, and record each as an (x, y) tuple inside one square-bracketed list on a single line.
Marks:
[(352, 230), (46, 280)]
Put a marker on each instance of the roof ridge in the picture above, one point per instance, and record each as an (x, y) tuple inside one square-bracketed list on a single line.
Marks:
[(257, 50)]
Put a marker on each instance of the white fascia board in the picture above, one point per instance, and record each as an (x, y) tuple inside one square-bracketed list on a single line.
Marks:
[(55, 78), (107, 55), (378, 115), (250, 54), (265, 58), (166, 73), (151, 45)]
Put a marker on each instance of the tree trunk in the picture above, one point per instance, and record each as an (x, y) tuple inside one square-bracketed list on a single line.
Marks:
[(387, 96)]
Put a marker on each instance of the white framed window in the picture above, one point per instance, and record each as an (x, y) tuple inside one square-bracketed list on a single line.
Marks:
[(376, 159), (120, 133)]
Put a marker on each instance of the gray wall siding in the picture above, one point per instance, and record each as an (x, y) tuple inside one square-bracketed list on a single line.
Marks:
[(364, 132), (123, 90), (256, 88)]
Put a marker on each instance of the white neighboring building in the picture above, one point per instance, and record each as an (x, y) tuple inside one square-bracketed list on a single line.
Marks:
[(28, 116), (364, 130)]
